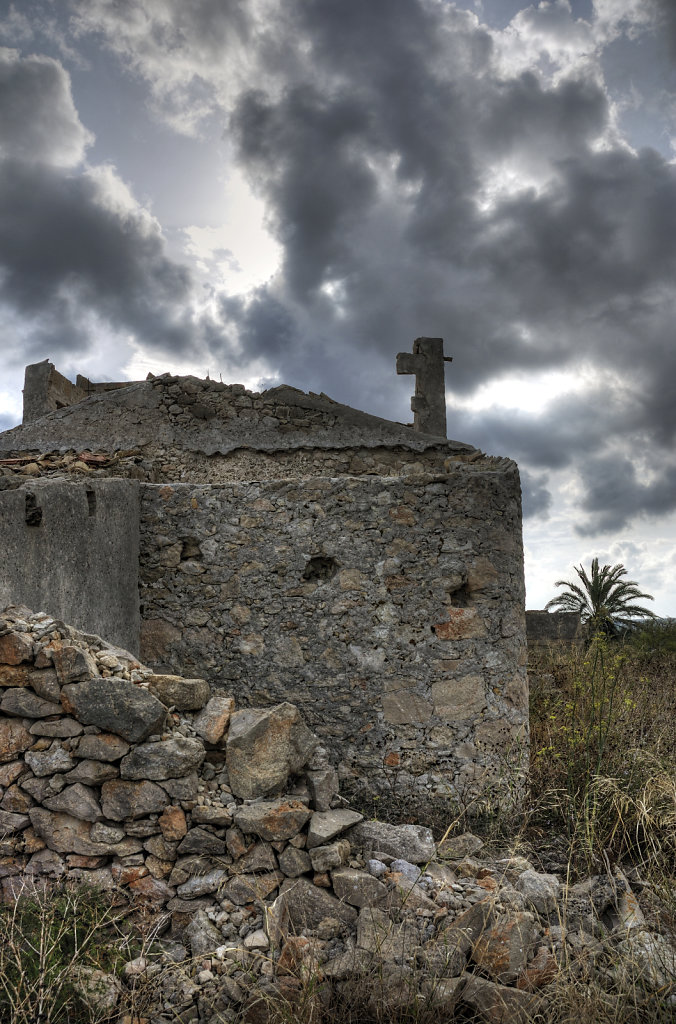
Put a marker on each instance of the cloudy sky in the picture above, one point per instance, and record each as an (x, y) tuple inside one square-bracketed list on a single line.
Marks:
[(293, 190)]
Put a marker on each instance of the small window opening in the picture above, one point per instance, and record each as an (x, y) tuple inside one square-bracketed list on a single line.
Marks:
[(33, 511), (91, 503), (320, 567)]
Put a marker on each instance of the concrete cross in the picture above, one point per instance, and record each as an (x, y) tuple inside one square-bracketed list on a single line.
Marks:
[(429, 402)]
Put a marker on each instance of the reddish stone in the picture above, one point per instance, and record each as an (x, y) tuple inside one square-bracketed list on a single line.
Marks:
[(14, 739), (14, 675), (322, 880), (32, 842), (503, 949), (77, 860), (125, 875), (542, 969), (172, 823), (15, 648), (152, 889), (463, 624), (392, 760)]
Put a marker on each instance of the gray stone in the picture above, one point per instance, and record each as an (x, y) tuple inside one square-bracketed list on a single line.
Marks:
[(202, 884), (121, 799), (457, 847), (183, 694), (413, 843), (45, 684), (264, 747), (272, 819), (65, 834), (63, 728), (115, 705), (202, 935), (92, 773), (46, 862), (23, 703), (201, 842), (497, 1004), (211, 814), (47, 762), (243, 889), (323, 785), (10, 822), (182, 789), (79, 801), (358, 888), (326, 825), (104, 746), (410, 871), (540, 890), (647, 957), (308, 905), (109, 834), (261, 857), (388, 939), (294, 862), (167, 759), (97, 989), (324, 858), (212, 722), (73, 663)]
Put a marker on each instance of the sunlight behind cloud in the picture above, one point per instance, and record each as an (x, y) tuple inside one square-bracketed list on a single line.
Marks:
[(531, 393), (239, 250)]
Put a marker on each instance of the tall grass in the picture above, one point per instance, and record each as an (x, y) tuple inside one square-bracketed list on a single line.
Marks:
[(603, 748)]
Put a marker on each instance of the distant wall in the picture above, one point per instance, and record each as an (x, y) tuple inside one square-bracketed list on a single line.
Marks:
[(558, 628), (391, 611), (71, 549)]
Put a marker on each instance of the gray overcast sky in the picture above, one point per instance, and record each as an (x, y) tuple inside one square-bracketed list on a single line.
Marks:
[(293, 190)]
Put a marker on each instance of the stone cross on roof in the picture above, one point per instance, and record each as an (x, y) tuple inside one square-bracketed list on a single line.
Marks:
[(429, 402)]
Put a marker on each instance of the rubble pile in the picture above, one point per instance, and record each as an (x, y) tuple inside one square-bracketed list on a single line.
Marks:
[(229, 826)]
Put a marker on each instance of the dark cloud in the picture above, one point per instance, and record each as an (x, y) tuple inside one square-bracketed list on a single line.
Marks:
[(535, 496), (66, 249), (614, 495), (38, 120), (416, 186)]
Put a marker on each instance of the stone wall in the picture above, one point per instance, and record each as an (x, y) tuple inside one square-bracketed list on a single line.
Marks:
[(72, 549), (45, 390), (561, 629), (390, 610)]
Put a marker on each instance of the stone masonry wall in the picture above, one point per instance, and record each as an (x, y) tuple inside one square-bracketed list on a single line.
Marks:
[(389, 610), (71, 548)]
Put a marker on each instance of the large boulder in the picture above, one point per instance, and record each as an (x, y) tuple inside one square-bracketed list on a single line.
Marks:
[(264, 747), (115, 705)]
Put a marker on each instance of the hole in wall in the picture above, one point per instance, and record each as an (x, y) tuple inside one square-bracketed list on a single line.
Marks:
[(91, 503), (33, 510), (460, 596), (190, 549), (320, 567)]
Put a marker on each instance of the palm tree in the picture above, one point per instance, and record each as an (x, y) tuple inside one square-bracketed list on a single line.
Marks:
[(604, 600)]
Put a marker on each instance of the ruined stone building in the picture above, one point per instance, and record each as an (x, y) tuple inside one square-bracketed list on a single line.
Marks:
[(286, 547)]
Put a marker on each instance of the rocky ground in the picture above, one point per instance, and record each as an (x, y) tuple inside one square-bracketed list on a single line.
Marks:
[(256, 881)]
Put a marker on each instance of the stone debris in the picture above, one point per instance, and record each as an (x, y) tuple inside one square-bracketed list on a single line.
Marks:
[(273, 891)]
